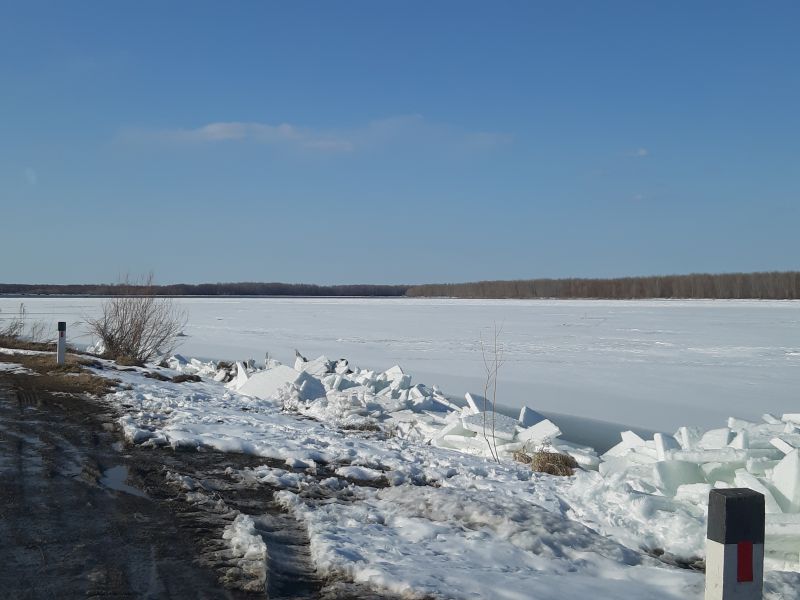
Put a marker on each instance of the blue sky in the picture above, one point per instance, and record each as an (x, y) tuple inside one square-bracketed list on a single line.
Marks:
[(397, 142)]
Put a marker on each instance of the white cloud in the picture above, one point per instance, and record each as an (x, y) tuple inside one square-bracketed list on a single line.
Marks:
[(642, 152), (30, 175), (410, 129)]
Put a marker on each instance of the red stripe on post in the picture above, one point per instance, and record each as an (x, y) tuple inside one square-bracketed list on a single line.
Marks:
[(744, 563)]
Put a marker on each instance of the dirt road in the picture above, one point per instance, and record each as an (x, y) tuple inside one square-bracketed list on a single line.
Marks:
[(81, 515)]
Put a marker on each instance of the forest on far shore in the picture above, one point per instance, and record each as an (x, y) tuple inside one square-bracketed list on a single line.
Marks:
[(783, 285)]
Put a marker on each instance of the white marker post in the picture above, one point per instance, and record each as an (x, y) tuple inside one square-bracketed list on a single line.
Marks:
[(735, 545), (61, 347)]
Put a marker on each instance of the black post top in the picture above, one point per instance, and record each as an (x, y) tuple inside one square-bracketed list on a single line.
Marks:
[(736, 515), (62, 325)]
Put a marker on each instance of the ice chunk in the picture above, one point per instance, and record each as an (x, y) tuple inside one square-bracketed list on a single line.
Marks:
[(529, 417), (663, 443), (696, 493), (715, 438), (493, 424), (722, 455), (717, 471), (782, 445), (438, 398), (456, 428), (741, 441), (760, 466), (585, 459), (393, 373), (309, 387), (403, 382), (475, 403), (786, 481), (746, 480), (241, 376), (318, 367), (543, 430), (770, 419), (672, 474), (688, 437), (632, 439), (734, 423), (793, 418), (265, 384)]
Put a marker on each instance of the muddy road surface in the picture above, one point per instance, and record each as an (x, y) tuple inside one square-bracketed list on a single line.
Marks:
[(84, 516)]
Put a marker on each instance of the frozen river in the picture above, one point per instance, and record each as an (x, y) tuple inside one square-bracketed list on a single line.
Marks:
[(656, 364)]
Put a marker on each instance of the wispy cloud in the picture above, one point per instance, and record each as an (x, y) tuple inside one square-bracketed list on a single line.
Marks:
[(641, 152), (403, 129), (30, 175)]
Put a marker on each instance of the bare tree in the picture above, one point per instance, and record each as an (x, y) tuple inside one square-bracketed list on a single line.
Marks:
[(492, 354), (135, 325)]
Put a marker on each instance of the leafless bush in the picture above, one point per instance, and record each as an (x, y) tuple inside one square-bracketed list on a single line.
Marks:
[(37, 332), (136, 325), (492, 354), (13, 326)]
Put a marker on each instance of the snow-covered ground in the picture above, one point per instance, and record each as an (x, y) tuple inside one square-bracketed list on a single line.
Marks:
[(655, 364), (369, 466)]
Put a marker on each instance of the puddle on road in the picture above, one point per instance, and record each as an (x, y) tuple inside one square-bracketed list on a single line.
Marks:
[(115, 478)]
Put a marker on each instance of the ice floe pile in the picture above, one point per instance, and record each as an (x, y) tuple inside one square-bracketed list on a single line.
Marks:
[(336, 392), (682, 469)]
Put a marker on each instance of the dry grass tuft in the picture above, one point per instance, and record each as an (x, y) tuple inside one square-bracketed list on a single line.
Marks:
[(69, 378), (553, 463), (546, 460), (15, 343)]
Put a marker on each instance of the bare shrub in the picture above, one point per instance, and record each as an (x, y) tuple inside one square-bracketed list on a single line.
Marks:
[(37, 332), (13, 326), (492, 354), (136, 325)]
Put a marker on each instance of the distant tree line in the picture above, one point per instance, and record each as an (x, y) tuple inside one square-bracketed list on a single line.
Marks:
[(206, 289), (772, 285)]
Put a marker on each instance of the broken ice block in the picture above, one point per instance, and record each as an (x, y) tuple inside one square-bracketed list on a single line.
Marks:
[(791, 418), (529, 417), (318, 367), (782, 445), (786, 481), (475, 403), (663, 443), (494, 424), (741, 441), (746, 480), (715, 438), (265, 384), (688, 437), (543, 430), (672, 474)]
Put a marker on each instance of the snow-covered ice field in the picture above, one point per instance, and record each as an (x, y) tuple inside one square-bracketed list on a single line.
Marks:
[(654, 364), (395, 484)]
